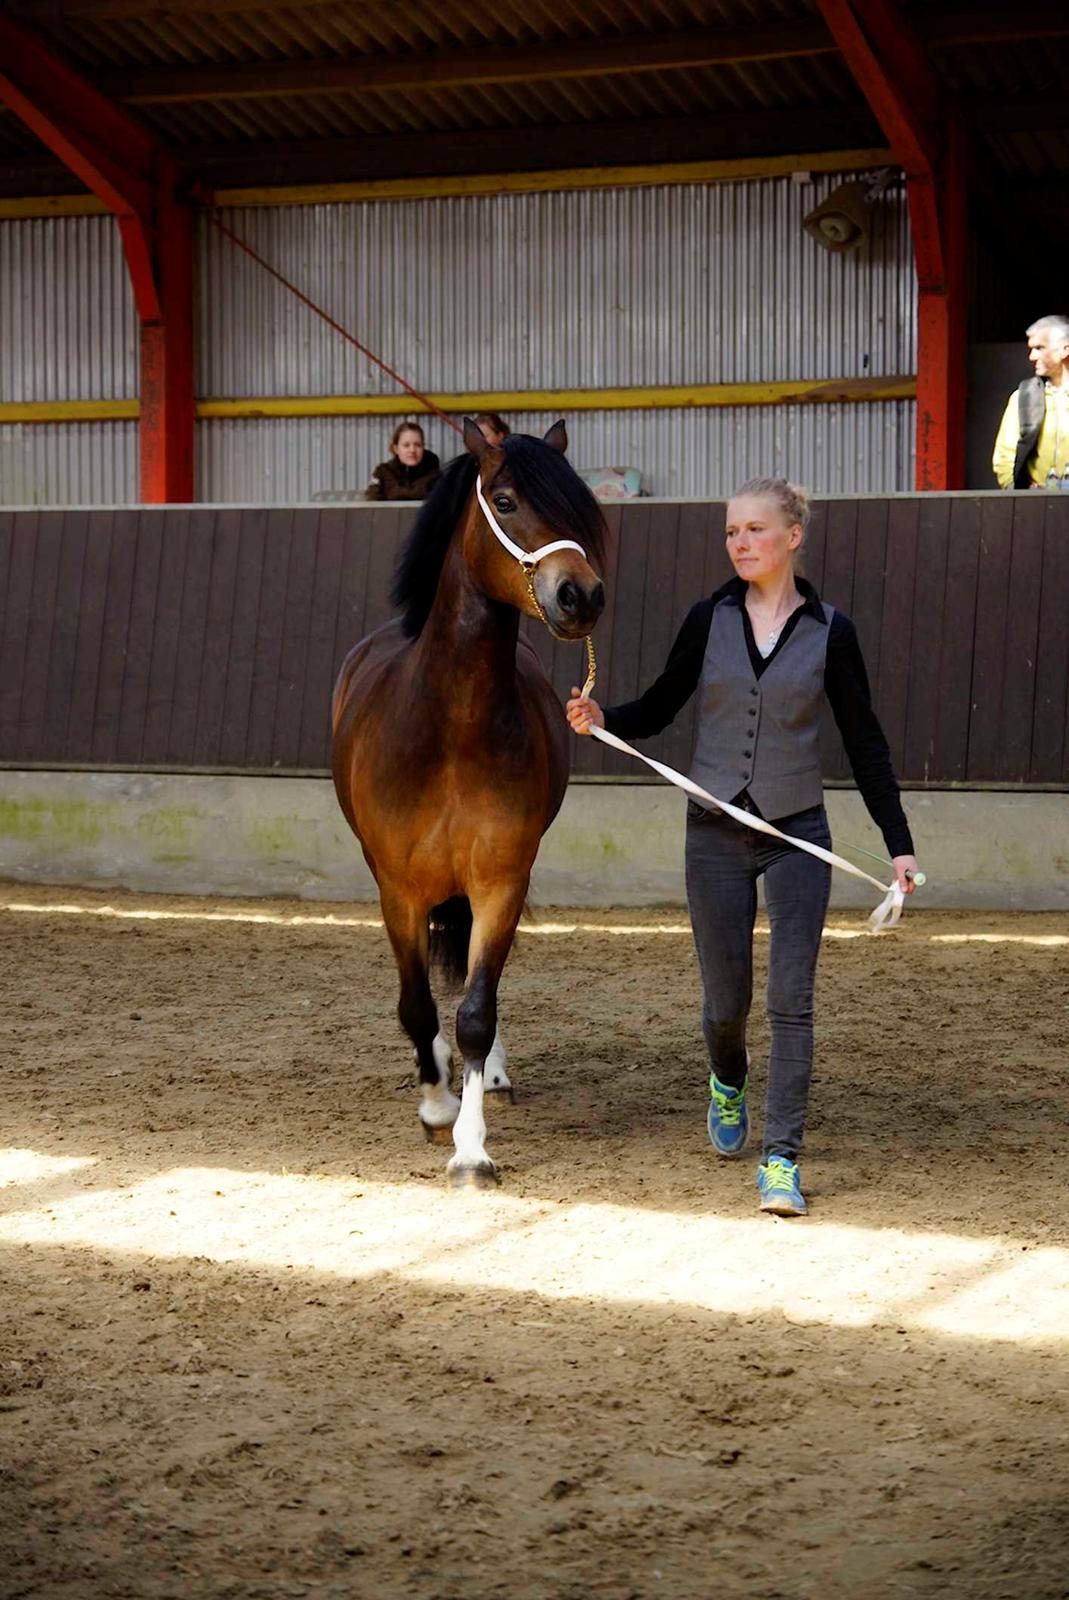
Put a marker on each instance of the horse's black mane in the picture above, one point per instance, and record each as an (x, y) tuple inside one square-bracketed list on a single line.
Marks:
[(540, 475)]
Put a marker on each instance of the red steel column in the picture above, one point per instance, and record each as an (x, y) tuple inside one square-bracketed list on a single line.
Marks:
[(167, 401), (127, 168), (941, 334), (929, 142)]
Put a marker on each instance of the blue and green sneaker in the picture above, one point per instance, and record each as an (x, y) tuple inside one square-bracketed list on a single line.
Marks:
[(780, 1188), (729, 1118)]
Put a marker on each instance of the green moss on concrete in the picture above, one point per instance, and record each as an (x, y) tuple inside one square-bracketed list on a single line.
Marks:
[(274, 836), (168, 826), (65, 822)]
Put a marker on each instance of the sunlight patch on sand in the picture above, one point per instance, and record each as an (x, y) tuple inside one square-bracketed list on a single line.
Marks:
[(635, 930), (809, 1272), (27, 1166)]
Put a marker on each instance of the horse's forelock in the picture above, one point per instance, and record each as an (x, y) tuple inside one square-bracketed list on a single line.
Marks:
[(556, 493)]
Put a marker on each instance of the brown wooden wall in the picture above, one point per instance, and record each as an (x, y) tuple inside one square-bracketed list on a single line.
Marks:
[(209, 638)]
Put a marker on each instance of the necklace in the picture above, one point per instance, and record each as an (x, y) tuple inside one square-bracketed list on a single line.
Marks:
[(778, 624)]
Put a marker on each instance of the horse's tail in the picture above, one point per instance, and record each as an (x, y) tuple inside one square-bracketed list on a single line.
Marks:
[(450, 933)]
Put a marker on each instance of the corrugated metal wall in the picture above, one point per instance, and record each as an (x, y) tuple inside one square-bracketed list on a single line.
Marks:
[(706, 453), (69, 464), (585, 289), (67, 325)]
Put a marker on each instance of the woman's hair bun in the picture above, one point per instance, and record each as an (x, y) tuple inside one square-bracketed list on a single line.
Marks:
[(790, 498)]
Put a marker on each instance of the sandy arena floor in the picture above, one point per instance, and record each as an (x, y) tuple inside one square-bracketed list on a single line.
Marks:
[(252, 1347)]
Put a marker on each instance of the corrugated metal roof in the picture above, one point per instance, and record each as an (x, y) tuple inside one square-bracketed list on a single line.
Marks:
[(1033, 68), (109, 40), (1035, 155), (190, 34), (694, 91)]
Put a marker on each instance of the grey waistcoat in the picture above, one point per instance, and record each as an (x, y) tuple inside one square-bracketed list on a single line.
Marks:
[(762, 734)]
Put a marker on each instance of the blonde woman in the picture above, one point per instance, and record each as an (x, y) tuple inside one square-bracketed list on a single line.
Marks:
[(764, 652)]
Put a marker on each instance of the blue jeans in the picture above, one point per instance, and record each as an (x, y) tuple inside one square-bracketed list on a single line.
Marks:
[(724, 860)]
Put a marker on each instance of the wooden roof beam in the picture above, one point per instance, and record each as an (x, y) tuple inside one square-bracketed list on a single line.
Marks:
[(376, 74), (638, 142), (956, 22), (562, 60)]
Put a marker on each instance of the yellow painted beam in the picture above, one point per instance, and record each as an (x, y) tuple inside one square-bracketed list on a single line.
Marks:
[(489, 183), (52, 205), (740, 170), (821, 391), (565, 401), (17, 411)]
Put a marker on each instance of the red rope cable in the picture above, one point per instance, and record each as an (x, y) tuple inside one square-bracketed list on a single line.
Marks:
[(329, 320)]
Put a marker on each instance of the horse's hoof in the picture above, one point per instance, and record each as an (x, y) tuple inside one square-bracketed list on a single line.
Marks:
[(481, 1177), (442, 1134), (506, 1093)]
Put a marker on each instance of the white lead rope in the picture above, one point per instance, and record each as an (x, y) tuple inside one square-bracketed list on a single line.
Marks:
[(886, 913)]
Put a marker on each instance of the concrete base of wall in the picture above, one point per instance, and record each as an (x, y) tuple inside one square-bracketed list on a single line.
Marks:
[(613, 844)]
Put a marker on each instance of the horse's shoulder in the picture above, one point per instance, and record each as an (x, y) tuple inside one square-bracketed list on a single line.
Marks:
[(369, 654)]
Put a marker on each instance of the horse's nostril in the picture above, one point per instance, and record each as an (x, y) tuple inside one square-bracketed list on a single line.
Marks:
[(597, 599), (568, 597)]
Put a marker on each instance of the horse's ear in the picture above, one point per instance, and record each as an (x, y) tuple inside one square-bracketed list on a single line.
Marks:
[(557, 437), (475, 439)]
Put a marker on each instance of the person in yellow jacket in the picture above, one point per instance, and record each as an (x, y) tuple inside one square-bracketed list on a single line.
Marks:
[(1032, 447)]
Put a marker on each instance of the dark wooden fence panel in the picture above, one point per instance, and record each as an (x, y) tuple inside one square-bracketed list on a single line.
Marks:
[(210, 638), (1050, 747)]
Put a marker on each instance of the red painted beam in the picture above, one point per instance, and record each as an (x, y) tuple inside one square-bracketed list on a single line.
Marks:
[(167, 392), (135, 178), (34, 65), (120, 190), (941, 333), (902, 97), (928, 141)]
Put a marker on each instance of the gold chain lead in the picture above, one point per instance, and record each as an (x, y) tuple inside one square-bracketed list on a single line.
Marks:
[(591, 667), (591, 659)]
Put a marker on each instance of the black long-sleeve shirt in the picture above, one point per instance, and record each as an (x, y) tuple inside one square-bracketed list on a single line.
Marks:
[(846, 685)]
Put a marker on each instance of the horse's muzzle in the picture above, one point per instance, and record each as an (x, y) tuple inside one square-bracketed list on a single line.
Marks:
[(572, 610)]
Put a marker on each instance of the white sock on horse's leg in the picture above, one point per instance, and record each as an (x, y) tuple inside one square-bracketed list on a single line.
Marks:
[(469, 1130), (494, 1073), (439, 1106)]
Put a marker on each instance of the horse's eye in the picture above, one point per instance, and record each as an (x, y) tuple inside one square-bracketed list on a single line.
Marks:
[(503, 503)]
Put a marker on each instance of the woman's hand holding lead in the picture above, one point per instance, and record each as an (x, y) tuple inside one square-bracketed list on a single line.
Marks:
[(584, 713), (905, 870)]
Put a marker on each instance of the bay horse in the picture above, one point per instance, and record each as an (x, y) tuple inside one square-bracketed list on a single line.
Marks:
[(451, 750)]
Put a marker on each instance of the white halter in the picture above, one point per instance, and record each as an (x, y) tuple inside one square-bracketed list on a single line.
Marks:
[(528, 559)]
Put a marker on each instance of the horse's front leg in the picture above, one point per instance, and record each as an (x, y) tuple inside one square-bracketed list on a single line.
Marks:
[(495, 1072), (406, 924), (494, 925)]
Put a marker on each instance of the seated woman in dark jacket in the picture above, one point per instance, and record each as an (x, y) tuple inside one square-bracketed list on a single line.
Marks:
[(411, 471)]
